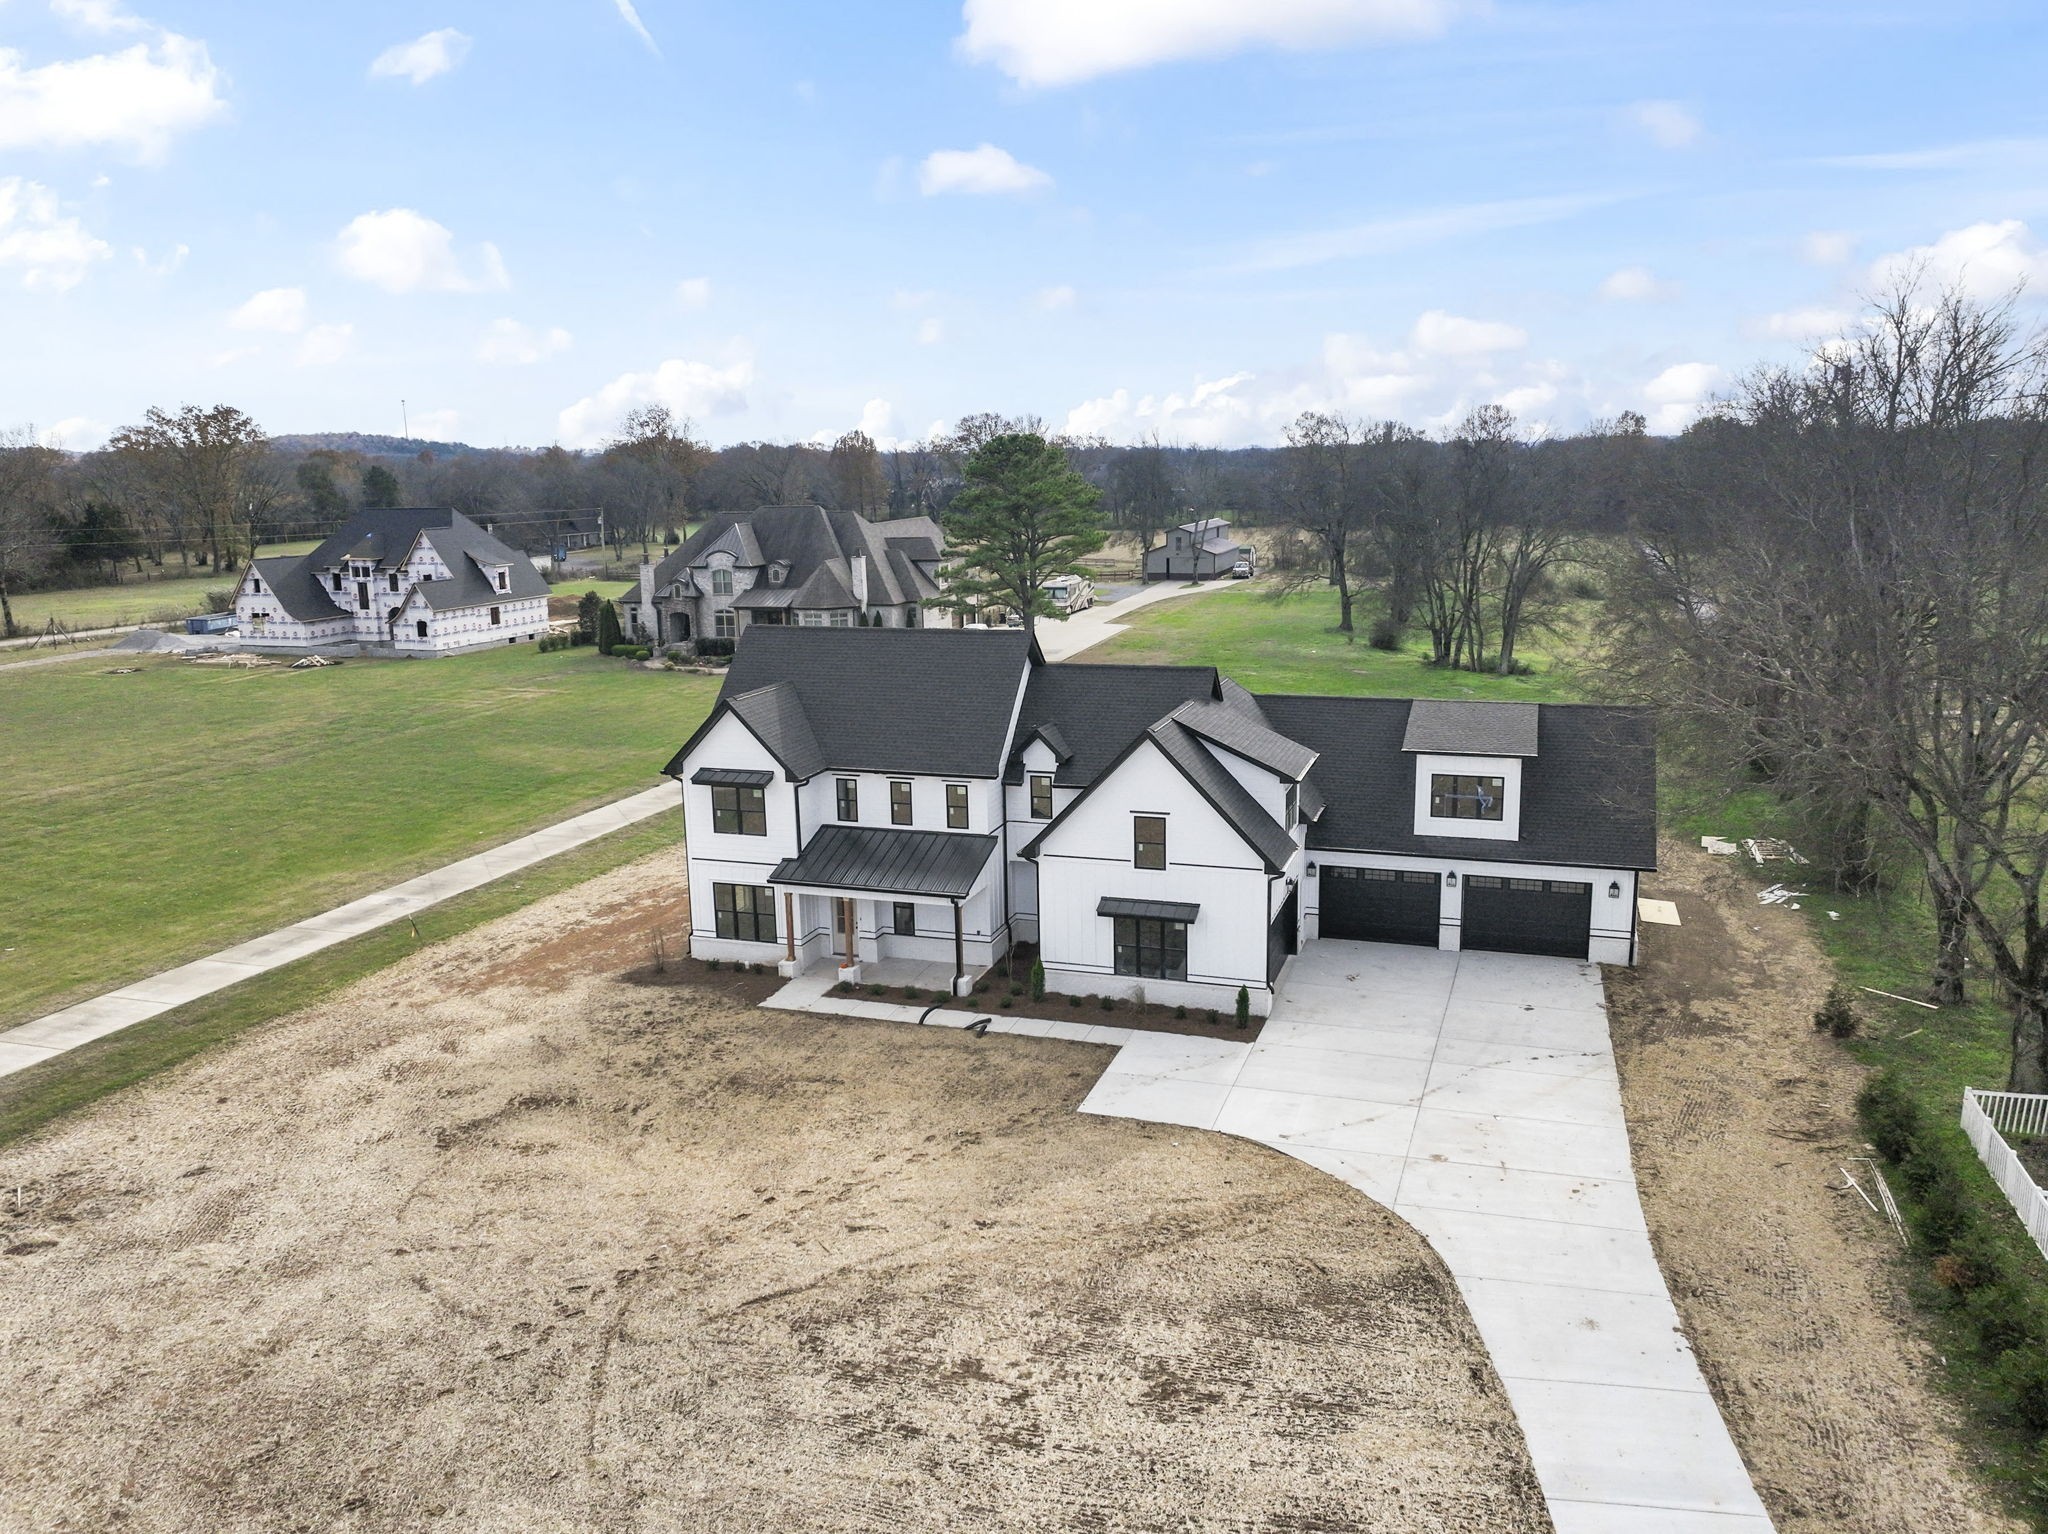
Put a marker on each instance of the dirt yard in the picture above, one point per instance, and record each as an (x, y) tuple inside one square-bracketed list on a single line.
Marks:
[(496, 1241), (1741, 1116)]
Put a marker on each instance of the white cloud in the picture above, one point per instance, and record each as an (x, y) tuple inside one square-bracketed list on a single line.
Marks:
[(77, 434), (1985, 261), (49, 248), (980, 171), (1384, 236), (1528, 399), (1668, 124), (1827, 247), (405, 252), (876, 417), (930, 331), (1447, 335), (696, 389), (325, 344), (164, 265), (435, 425), (103, 16), (434, 53), (1636, 284), (511, 344), (1676, 395), (693, 292), (1055, 298), (136, 100), (1812, 323), (631, 18), (1059, 42), (279, 309)]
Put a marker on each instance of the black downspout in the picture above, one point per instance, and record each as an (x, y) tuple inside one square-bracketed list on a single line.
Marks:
[(959, 948)]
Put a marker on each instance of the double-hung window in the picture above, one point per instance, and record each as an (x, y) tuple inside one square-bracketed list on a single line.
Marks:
[(739, 811), (1041, 796), (899, 802), (744, 911), (725, 624), (1148, 841), (849, 798), (1457, 796), (1151, 949), (956, 806), (906, 919), (721, 582)]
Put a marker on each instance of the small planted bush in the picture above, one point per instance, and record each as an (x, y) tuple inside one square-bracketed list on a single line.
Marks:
[(714, 964), (1007, 1001), (1244, 1007), (1385, 634), (1037, 980), (1108, 1003), (1180, 1013), (1836, 1016)]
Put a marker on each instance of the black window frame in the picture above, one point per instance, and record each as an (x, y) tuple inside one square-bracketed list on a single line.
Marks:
[(1293, 805), (902, 802), (957, 817), (1140, 844), (739, 809), (496, 619), (1150, 947), (750, 922), (904, 918), (846, 799), (1041, 795), (1462, 799)]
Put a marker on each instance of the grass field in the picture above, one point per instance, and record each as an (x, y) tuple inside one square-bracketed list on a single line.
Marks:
[(575, 586), (149, 819), (1291, 644), (134, 600)]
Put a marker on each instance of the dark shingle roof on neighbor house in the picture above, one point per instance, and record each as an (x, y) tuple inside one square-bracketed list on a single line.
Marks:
[(387, 537), (928, 701), (1589, 794), (818, 547), (290, 579), (889, 862)]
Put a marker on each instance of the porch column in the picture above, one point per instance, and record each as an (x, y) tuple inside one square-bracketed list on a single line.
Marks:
[(959, 949), (789, 925)]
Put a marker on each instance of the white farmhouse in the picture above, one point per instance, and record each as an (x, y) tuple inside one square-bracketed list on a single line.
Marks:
[(417, 582), (940, 794)]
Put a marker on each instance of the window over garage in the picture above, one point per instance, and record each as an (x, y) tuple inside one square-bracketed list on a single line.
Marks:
[(1455, 796)]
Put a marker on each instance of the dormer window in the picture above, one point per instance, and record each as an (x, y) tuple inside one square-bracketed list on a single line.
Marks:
[(777, 573), (1456, 796), (504, 579), (721, 582)]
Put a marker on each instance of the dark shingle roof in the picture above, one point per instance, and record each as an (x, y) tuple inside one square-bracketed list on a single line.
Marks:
[(933, 701), (1237, 725), (297, 589), (1260, 830), (894, 862), (388, 537), (775, 714), (1462, 728), (1100, 710), (1589, 795), (818, 546)]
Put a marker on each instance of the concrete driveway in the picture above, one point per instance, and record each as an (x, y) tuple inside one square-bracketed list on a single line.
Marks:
[(1475, 1095)]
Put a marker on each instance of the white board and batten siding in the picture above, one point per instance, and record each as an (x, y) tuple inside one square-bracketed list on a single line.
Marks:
[(1089, 857), (725, 858)]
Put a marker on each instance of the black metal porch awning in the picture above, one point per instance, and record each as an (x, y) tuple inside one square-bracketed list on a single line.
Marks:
[(941, 865), (732, 777), (1157, 910)]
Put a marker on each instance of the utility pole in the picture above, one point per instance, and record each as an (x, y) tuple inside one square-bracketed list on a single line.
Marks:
[(405, 421)]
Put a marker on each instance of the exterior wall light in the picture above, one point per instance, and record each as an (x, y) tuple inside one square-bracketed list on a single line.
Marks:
[(1451, 879), (1614, 889), (1311, 868)]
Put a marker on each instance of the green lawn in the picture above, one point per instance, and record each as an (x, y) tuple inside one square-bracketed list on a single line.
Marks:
[(134, 600), (610, 590), (1291, 644), (149, 819)]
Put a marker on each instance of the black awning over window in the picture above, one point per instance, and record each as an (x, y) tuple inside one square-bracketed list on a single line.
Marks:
[(732, 777), (1158, 910)]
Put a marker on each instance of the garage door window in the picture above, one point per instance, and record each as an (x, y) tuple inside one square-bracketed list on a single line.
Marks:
[(1456, 796), (744, 911), (1151, 949)]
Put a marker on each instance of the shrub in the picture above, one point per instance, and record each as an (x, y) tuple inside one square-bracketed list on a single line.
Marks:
[(1836, 1016), (1037, 980), (1385, 634), (878, 990), (1890, 1117), (1180, 1012), (1583, 588), (713, 964), (222, 601), (2007, 1319), (2024, 1378), (588, 608), (676, 652), (1016, 990), (608, 632), (1244, 1007), (714, 647), (1007, 1001), (1108, 1003), (1212, 1017)]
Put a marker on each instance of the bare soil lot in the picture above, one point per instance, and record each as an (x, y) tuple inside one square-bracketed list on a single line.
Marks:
[(1741, 1116), (495, 1241)]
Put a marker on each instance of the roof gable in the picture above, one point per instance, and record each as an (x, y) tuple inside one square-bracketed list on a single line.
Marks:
[(1100, 710)]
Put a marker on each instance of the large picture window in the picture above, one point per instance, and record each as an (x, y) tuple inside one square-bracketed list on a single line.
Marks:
[(1041, 796), (725, 624), (1151, 949), (744, 911), (899, 802), (956, 806), (849, 798), (739, 811), (1454, 796), (1148, 841)]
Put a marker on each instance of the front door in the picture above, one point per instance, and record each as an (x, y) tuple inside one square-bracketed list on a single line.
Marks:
[(841, 940)]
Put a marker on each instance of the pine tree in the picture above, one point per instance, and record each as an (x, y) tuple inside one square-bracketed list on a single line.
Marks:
[(608, 632), (587, 608), (1024, 516)]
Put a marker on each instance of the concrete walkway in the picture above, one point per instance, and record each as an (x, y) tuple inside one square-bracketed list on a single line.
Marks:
[(1476, 1096), (34, 1042), (1064, 638)]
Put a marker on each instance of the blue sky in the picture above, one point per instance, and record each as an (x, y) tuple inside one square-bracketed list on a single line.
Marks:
[(1192, 218)]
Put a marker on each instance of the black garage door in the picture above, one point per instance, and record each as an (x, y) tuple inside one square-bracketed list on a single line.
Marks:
[(1378, 905), (1280, 937), (1553, 916)]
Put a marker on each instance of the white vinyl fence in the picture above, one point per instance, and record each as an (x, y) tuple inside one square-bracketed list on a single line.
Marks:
[(1988, 1117)]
